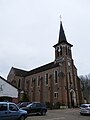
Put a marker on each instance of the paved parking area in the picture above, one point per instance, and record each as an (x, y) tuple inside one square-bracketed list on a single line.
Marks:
[(64, 114)]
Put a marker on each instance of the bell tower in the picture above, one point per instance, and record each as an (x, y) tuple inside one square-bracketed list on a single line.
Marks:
[(67, 70), (62, 48)]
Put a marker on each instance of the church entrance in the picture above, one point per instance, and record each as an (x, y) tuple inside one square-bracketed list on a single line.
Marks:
[(73, 98)]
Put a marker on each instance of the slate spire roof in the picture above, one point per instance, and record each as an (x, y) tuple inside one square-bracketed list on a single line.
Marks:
[(62, 37)]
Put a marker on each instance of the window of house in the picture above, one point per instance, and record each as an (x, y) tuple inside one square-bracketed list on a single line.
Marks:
[(46, 79), (55, 94), (56, 76)]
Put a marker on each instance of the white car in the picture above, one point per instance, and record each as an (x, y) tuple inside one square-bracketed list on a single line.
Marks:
[(85, 109)]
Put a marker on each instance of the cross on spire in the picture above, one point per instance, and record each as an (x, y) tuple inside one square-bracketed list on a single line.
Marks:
[(60, 18), (62, 36)]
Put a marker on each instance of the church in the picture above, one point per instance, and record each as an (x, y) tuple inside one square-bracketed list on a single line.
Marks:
[(55, 83)]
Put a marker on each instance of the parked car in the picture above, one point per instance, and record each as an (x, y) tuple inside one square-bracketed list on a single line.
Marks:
[(85, 109), (23, 104), (10, 111), (36, 108)]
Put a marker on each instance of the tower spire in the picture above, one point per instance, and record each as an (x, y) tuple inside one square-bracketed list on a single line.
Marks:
[(62, 37)]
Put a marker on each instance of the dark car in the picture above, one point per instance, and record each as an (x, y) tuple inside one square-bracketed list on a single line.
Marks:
[(10, 111), (23, 104), (36, 108)]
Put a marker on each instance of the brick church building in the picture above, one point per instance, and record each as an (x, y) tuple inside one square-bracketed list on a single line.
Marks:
[(55, 82)]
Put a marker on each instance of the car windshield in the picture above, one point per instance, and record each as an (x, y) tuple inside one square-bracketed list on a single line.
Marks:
[(84, 106)]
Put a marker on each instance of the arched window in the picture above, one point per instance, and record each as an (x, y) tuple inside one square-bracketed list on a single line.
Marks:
[(46, 78), (70, 78), (56, 77), (57, 52), (38, 81), (19, 83), (69, 51), (66, 50), (60, 50)]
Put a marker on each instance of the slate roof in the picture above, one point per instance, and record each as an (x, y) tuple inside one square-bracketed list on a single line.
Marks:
[(23, 73), (19, 72), (43, 68), (62, 37)]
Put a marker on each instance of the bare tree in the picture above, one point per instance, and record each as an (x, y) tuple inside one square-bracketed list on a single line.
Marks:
[(85, 80)]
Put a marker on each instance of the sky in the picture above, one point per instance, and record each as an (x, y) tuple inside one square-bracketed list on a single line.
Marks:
[(30, 28)]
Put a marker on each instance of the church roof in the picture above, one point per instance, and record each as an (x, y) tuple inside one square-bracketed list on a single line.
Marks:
[(43, 68), (19, 72), (23, 73), (62, 37)]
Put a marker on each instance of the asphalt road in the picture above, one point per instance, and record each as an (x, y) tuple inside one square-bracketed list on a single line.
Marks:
[(64, 114)]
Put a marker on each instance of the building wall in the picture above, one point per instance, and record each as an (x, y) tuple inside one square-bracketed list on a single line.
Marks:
[(7, 90), (38, 89), (52, 92)]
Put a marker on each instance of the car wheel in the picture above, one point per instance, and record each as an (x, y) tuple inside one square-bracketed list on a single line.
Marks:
[(22, 118), (43, 112), (81, 114)]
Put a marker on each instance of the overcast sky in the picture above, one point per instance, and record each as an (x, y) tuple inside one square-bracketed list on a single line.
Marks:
[(29, 29)]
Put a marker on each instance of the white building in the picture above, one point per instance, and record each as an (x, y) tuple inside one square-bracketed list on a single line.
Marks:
[(8, 92)]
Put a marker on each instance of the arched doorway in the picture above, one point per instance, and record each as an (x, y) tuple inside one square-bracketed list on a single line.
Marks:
[(5, 98), (72, 98)]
